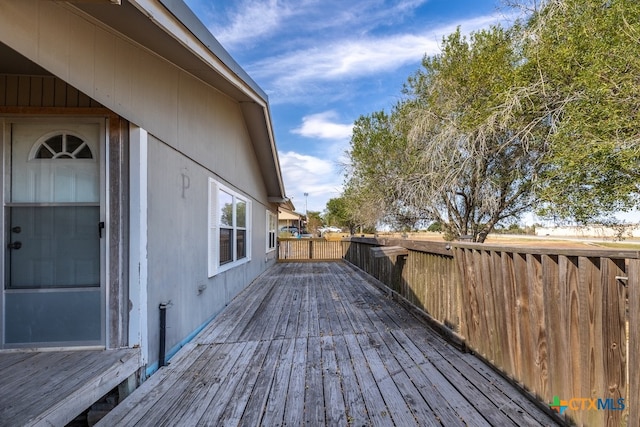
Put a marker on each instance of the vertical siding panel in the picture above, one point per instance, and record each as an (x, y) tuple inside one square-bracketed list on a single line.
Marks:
[(35, 98), (72, 96), (3, 90), (84, 100), (24, 91), (60, 93), (104, 79), (53, 39), (48, 91), (11, 95)]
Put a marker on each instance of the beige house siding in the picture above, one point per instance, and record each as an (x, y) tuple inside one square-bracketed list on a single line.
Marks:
[(195, 132), (168, 102)]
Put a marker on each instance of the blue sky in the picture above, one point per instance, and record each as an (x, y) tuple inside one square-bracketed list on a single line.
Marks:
[(324, 63)]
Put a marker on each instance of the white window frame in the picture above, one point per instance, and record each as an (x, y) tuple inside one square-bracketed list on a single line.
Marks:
[(213, 231), (272, 232)]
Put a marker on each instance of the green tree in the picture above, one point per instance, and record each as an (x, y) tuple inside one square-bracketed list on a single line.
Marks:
[(473, 164), (314, 221), (583, 59), (544, 114), (337, 212), (379, 155)]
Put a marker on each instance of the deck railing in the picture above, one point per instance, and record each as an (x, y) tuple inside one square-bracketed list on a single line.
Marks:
[(294, 249), (565, 324)]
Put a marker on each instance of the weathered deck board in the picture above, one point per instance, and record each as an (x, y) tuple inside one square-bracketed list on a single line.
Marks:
[(318, 344), (53, 387)]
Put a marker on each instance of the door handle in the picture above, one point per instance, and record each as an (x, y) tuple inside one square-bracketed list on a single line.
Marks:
[(14, 245)]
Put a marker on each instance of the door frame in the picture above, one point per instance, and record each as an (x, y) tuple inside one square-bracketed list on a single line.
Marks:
[(102, 121)]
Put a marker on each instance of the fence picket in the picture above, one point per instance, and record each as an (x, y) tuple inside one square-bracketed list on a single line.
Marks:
[(555, 321)]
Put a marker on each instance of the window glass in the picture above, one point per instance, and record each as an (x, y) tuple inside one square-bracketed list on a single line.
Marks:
[(55, 143), (63, 146), (44, 153), (225, 247), (272, 224), (73, 143), (225, 203), (241, 237), (241, 213)]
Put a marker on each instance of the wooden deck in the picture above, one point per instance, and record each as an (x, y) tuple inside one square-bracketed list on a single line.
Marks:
[(319, 344), (51, 388)]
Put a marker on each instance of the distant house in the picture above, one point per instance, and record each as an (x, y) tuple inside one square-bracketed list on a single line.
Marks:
[(140, 170), (287, 218)]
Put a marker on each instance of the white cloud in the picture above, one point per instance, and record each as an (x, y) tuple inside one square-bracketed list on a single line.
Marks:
[(300, 71), (344, 59), (320, 178), (252, 20), (245, 22), (323, 126)]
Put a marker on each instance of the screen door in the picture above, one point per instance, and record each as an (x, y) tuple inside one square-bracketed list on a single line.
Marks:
[(53, 286)]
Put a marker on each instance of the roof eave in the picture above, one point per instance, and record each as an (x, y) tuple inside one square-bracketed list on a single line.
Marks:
[(174, 32)]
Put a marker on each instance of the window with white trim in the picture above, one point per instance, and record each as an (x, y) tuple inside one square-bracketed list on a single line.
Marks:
[(272, 226), (229, 228)]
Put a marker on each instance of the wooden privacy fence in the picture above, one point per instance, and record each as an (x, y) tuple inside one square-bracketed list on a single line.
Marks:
[(427, 278), (564, 324), (294, 249)]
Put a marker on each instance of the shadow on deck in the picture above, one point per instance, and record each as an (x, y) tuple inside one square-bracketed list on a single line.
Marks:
[(319, 344), (51, 388)]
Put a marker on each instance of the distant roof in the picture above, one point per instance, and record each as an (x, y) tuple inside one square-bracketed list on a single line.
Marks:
[(288, 215)]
